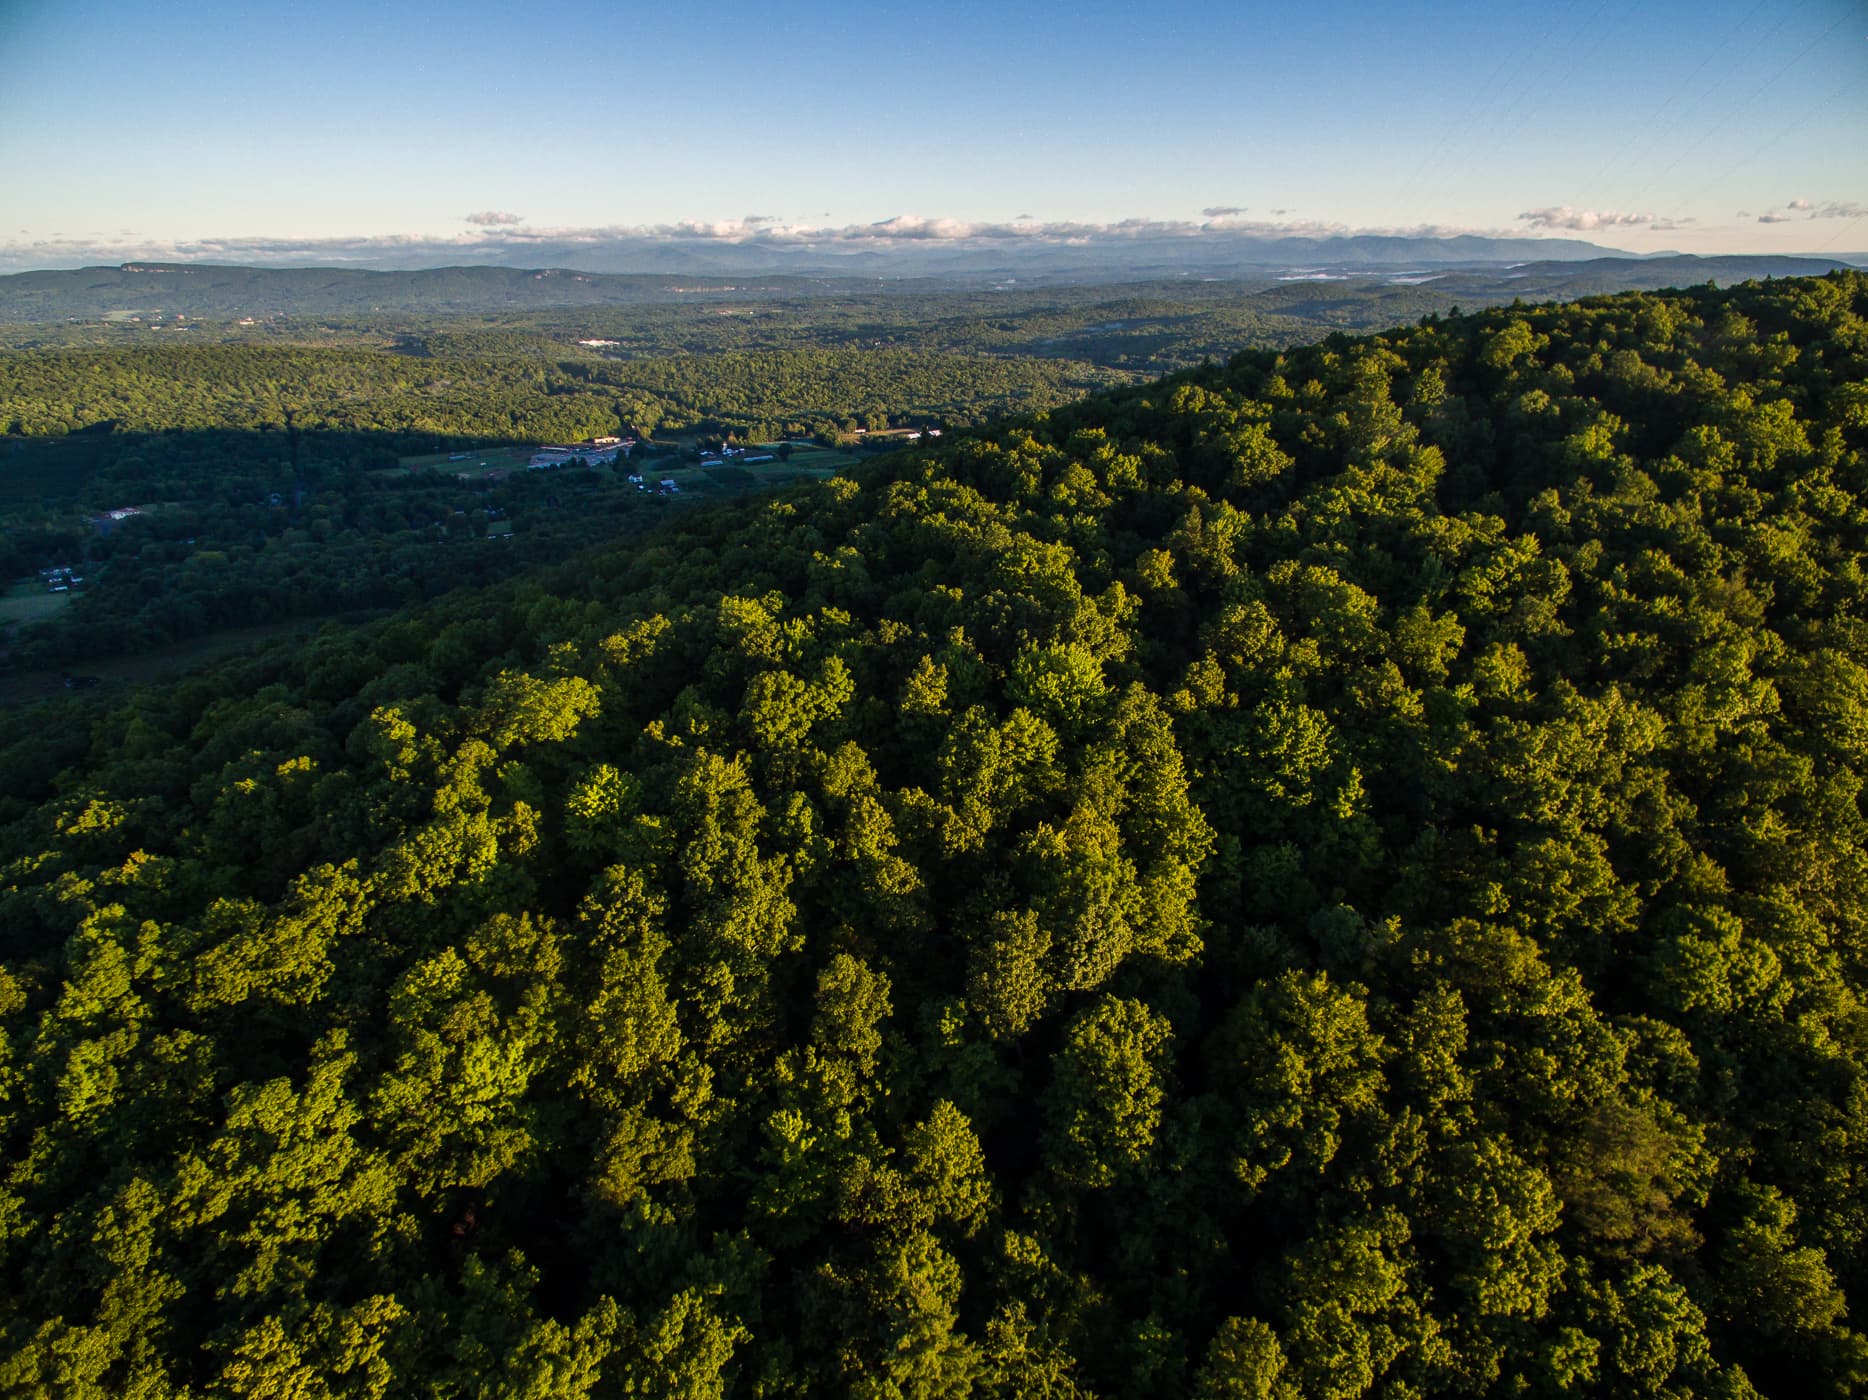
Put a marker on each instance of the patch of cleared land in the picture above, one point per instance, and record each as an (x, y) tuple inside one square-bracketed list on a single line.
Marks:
[(808, 461), (30, 602), (479, 462), (813, 457)]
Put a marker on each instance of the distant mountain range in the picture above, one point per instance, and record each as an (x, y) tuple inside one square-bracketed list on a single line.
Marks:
[(1463, 270), (1142, 256), (212, 292)]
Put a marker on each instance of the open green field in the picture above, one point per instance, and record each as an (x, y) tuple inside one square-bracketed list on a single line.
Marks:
[(799, 468), (685, 475), (30, 601), (807, 460), (689, 476), (816, 459), (810, 457), (475, 463)]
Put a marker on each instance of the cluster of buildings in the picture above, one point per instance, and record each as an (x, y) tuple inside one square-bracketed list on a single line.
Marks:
[(60, 579), (727, 455), (598, 451), (111, 519), (899, 435)]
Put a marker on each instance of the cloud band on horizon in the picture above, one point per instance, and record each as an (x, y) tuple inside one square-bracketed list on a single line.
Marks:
[(499, 234), (1569, 219)]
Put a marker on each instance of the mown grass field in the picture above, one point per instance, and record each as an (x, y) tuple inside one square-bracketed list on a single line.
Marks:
[(477, 462), (804, 462), (818, 459)]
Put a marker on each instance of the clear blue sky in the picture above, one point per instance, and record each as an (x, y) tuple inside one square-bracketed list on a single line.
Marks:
[(140, 123)]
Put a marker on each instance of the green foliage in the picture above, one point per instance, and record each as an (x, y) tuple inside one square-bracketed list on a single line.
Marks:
[(1103, 1110), (1336, 874)]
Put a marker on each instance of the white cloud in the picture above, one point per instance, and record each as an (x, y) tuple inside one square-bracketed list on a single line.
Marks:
[(503, 238), (1223, 211), (494, 218), (1810, 209), (1564, 216)]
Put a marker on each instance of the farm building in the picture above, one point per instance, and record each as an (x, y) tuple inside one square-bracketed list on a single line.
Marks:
[(596, 452)]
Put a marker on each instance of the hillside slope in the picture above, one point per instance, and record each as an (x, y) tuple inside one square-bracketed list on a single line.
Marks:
[(634, 272), (1336, 874)]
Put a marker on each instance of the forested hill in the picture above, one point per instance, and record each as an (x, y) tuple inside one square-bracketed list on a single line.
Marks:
[(214, 291), (1336, 874)]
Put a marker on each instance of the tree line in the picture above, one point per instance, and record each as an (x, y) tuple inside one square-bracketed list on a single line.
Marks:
[(513, 397)]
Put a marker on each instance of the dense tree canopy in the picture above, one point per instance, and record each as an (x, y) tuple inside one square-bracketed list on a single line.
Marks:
[(1335, 874), (450, 389)]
